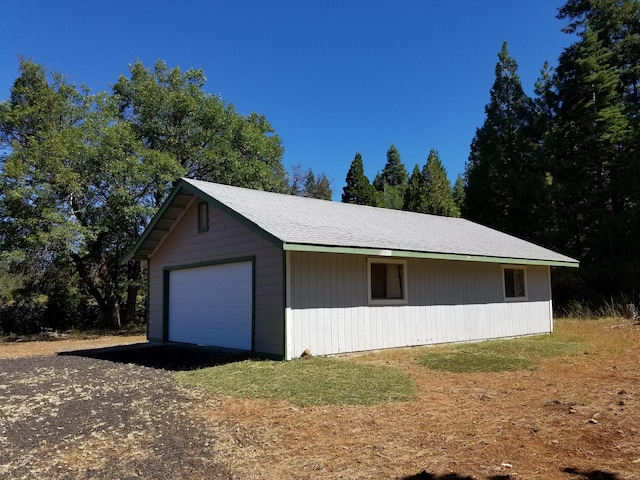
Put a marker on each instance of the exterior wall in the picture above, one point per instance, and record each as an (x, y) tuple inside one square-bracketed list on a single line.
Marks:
[(226, 239), (448, 301)]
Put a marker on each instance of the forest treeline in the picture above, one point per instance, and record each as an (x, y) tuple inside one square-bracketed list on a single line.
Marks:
[(81, 174), (560, 169)]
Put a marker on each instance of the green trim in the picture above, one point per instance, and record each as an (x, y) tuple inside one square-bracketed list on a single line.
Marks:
[(165, 305), (165, 291), (147, 300), (209, 263), (155, 340), (284, 304), (253, 304), (203, 228), (298, 247), (156, 218)]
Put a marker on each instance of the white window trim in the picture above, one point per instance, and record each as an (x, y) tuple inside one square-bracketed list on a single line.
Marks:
[(526, 286), (405, 286)]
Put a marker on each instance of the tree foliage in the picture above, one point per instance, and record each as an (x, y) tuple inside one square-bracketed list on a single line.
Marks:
[(171, 113), (358, 189), (83, 173), (391, 183), (502, 174), (439, 198), (563, 169), (596, 161), (304, 183), (429, 190)]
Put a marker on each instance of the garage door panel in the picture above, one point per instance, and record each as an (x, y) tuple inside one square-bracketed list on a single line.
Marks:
[(212, 305)]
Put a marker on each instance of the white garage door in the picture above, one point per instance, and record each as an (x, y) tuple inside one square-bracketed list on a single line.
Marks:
[(212, 305)]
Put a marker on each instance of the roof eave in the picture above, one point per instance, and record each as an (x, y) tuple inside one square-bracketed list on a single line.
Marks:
[(300, 247), (134, 253)]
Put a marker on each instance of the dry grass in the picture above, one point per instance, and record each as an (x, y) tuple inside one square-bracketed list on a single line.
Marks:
[(572, 414), (573, 417), (50, 347)]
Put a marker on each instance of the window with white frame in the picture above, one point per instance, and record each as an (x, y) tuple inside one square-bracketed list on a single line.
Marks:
[(515, 282), (387, 281)]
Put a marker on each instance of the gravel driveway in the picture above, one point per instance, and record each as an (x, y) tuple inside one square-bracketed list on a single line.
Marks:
[(95, 415)]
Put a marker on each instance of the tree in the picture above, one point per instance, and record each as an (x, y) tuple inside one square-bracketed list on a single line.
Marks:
[(83, 174), (303, 182), (429, 190), (391, 183), (358, 189), (458, 192), (319, 187), (595, 163), (170, 112), (502, 176), (439, 196), (415, 196)]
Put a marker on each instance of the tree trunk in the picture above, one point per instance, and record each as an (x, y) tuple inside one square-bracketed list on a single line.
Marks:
[(133, 275), (112, 313)]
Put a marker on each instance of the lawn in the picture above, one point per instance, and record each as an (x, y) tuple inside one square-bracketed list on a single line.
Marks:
[(563, 406)]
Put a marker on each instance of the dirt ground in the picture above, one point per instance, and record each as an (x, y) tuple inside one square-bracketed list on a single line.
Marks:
[(571, 418)]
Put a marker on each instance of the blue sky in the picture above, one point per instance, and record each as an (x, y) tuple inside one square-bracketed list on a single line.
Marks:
[(332, 76)]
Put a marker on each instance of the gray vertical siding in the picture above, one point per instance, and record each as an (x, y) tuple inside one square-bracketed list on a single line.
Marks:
[(449, 301), (226, 238)]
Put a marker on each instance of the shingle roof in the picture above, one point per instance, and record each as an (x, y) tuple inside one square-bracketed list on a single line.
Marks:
[(304, 223)]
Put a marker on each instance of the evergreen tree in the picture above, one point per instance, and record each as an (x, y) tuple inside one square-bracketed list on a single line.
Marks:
[(503, 178), (391, 183), (415, 197), (319, 187), (304, 183), (358, 190), (458, 192), (594, 147), (439, 196)]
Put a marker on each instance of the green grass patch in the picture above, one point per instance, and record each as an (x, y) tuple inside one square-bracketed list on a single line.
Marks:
[(308, 381), (501, 355)]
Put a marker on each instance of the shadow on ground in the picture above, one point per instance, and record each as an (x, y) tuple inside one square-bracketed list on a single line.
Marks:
[(591, 474), (580, 475), (165, 357), (450, 476)]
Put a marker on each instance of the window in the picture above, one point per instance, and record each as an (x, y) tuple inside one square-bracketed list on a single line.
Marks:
[(203, 217), (387, 281), (514, 283)]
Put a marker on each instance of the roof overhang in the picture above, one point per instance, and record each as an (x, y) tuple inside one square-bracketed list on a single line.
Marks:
[(176, 204), (298, 247), (184, 194)]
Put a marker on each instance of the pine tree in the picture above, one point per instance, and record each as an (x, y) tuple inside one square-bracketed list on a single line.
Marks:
[(394, 173), (458, 192), (358, 190), (416, 192), (502, 175), (319, 187), (391, 183), (439, 196), (595, 146)]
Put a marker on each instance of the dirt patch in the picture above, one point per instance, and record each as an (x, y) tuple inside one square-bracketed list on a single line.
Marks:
[(571, 418)]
